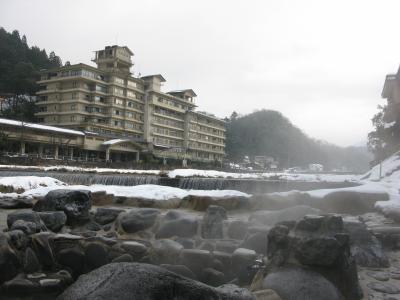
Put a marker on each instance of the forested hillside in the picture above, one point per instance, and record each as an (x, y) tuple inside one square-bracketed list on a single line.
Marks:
[(269, 133), (19, 66)]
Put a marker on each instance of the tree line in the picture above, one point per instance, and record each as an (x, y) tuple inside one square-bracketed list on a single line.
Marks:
[(269, 133), (19, 70)]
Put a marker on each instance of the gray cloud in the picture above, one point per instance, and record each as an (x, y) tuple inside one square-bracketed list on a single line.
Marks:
[(321, 63)]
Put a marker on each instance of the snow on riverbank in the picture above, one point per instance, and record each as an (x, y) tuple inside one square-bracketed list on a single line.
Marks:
[(195, 173), (39, 186), (30, 182)]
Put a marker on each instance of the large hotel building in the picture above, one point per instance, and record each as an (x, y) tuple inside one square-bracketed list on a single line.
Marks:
[(121, 116)]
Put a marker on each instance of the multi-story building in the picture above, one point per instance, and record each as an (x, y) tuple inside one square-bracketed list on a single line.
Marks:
[(108, 101)]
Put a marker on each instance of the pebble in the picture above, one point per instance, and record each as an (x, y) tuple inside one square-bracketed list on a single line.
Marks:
[(384, 287), (50, 282), (35, 275), (381, 276)]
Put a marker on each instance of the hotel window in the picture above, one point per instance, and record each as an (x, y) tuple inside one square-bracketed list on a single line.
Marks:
[(73, 118), (131, 94), (118, 80), (118, 101), (131, 83), (117, 112), (74, 84), (73, 107), (74, 95)]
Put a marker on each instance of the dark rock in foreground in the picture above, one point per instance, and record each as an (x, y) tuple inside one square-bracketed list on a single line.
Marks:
[(75, 204), (365, 247), (296, 283), (141, 281)]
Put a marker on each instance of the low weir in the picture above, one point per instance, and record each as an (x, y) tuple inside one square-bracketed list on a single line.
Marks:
[(253, 186)]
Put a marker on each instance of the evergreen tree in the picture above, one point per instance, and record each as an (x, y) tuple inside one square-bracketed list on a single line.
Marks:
[(19, 71)]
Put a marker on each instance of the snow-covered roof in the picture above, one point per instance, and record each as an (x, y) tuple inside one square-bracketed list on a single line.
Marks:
[(40, 127), (115, 141)]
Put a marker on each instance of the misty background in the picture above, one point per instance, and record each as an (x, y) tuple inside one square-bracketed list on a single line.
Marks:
[(321, 63)]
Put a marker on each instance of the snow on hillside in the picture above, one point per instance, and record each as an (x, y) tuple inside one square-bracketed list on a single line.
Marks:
[(390, 170), (390, 181)]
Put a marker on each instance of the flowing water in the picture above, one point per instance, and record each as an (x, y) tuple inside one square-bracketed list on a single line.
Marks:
[(243, 185)]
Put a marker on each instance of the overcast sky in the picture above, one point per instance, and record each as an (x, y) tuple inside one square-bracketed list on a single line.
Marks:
[(321, 63)]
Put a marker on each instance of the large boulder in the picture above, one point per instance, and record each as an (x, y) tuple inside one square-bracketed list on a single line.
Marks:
[(212, 223), (177, 224), (298, 283), (196, 260), (74, 203), (137, 219), (26, 215), (9, 262), (365, 247), (165, 251), (43, 250), (295, 213), (349, 202), (105, 215), (141, 281), (54, 220), (315, 243)]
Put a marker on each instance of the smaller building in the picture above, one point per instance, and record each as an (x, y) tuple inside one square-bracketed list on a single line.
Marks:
[(52, 142)]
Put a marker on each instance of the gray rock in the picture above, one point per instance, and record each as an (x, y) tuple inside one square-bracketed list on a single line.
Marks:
[(177, 224), (123, 258), (242, 260), (136, 249), (212, 223), (42, 248), (232, 291), (212, 277), (318, 251), (366, 248), (96, 255), (381, 276), (53, 220), (180, 270), (17, 285), (31, 262), (165, 251), (141, 281), (104, 215), (18, 239), (294, 213), (9, 262), (349, 202), (26, 227), (74, 203), (136, 220), (93, 226), (257, 241), (24, 215), (196, 260), (73, 259), (297, 283), (384, 287)]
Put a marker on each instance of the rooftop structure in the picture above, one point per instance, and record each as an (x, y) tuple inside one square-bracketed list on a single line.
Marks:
[(109, 101)]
